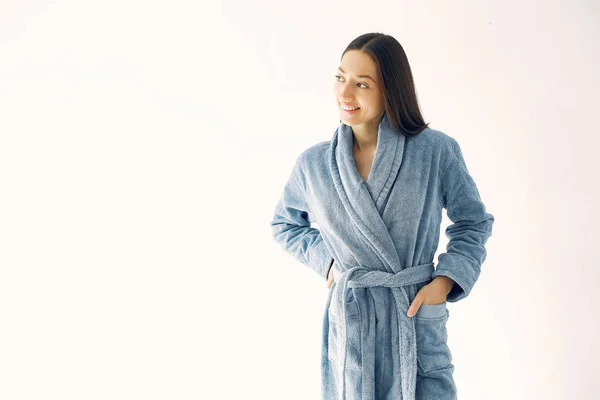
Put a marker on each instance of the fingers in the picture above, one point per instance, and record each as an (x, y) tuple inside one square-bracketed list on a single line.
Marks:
[(414, 307), (418, 302)]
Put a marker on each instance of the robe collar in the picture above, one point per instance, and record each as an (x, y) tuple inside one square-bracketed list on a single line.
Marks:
[(386, 162), (365, 201)]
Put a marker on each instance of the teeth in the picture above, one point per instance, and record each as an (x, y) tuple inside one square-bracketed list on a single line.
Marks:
[(350, 109)]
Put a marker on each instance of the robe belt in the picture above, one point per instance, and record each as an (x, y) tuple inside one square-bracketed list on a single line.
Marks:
[(361, 277)]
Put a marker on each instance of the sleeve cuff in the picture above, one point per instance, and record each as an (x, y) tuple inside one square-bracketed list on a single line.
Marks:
[(321, 260), (461, 271)]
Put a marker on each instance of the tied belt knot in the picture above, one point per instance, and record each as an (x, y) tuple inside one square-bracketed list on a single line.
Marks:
[(362, 277)]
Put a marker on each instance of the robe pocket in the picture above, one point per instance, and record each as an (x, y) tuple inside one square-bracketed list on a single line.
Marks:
[(433, 352), (353, 341)]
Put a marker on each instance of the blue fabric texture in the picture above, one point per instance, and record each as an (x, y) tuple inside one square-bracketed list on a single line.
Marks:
[(381, 236)]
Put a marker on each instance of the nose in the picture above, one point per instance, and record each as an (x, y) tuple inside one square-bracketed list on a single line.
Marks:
[(346, 93)]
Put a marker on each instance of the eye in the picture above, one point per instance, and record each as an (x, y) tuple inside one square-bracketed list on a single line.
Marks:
[(360, 83)]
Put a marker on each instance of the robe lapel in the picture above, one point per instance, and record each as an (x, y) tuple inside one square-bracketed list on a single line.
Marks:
[(364, 201)]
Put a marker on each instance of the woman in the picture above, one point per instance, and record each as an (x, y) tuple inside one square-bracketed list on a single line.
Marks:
[(377, 190)]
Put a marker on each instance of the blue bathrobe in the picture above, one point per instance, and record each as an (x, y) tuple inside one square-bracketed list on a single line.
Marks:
[(380, 236)]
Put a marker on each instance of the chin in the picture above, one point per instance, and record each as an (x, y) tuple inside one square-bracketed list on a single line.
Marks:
[(346, 122), (351, 121)]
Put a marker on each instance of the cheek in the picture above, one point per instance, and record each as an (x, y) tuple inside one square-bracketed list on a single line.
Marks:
[(372, 103)]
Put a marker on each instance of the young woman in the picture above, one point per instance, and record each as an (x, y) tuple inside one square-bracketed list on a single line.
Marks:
[(377, 190)]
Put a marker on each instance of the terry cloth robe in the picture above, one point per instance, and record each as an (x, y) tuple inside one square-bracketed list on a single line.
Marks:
[(381, 236)]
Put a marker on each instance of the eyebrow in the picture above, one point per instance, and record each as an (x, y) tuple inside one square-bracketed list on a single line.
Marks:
[(358, 76)]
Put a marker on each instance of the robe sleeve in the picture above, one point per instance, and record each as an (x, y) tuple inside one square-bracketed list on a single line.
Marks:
[(471, 227), (291, 226)]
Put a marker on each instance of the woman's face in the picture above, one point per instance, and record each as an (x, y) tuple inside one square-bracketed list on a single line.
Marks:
[(357, 84)]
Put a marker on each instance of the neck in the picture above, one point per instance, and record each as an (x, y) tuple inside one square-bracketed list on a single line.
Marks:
[(364, 141), (365, 135)]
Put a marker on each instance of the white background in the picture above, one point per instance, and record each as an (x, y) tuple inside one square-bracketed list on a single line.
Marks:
[(144, 146)]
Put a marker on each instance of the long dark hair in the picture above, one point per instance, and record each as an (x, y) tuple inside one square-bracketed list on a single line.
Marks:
[(401, 105)]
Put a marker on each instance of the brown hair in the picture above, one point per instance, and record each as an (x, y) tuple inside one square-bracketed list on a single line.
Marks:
[(401, 105)]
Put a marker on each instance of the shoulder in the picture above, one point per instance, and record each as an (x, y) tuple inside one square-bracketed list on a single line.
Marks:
[(434, 138), (439, 142), (314, 155)]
